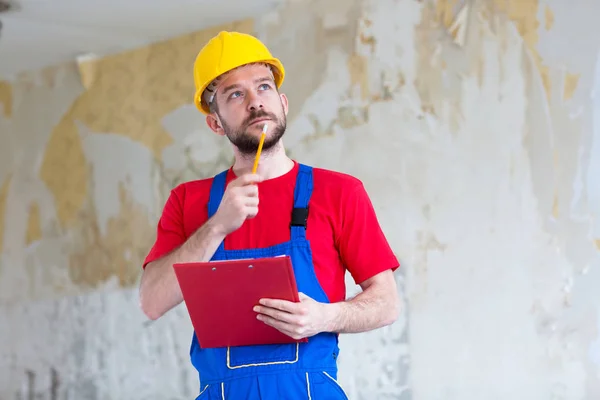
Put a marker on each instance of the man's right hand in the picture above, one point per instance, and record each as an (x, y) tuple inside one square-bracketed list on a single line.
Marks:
[(240, 202)]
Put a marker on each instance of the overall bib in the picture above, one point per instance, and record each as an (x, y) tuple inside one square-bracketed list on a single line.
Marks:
[(273, 372)]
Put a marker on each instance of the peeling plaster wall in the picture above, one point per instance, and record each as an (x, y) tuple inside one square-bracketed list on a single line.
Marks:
[(476, 129)]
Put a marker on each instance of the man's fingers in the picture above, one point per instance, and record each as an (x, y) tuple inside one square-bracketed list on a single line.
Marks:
[(251, 212), (292, 331), (276, 314), (251, 201), (283, 305), (246, 191), (279, 325), (247, 179), (250, 190)]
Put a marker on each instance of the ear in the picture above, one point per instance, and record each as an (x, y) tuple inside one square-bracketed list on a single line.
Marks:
[(284, 102), (213, 122)]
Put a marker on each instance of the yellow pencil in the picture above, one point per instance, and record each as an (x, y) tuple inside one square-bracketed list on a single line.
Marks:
[(260, 145)]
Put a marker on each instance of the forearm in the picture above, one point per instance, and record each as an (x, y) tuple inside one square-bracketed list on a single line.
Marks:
[(371, 309), (159, 289)]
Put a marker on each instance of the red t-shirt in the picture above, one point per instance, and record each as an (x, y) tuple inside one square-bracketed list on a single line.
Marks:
[(342, 226)]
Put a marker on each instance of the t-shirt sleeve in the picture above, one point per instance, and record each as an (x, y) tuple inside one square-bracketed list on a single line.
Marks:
[(363, 246), (170, 232)]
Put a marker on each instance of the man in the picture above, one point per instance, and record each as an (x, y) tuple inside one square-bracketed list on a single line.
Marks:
[(322, 219)]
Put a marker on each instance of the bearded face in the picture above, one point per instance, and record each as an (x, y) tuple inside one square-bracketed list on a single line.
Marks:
[(245, 99)]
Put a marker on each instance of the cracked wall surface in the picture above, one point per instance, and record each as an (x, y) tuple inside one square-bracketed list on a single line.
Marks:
[(475, 126)]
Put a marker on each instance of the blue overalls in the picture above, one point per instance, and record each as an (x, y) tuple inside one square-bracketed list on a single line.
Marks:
[(273, 372)]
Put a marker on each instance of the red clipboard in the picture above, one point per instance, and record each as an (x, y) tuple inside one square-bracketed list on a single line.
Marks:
[(220, 295)]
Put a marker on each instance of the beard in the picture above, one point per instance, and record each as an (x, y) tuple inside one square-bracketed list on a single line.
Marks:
[(246, 142)]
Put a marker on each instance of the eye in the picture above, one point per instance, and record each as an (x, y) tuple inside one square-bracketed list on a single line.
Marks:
[(264, 86), (235, 94)]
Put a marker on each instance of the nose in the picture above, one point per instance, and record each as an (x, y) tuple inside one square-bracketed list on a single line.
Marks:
[(254, 102)]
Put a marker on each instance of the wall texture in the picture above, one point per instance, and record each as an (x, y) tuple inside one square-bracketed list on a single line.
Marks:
[(475, 126)]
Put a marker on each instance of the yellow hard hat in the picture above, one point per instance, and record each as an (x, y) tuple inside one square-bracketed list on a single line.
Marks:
[(225, 52)]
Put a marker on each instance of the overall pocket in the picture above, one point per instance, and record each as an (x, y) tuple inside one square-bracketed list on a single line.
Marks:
[(262, 355)]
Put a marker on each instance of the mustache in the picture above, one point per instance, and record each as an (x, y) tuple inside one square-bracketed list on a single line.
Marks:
[(259, 114)]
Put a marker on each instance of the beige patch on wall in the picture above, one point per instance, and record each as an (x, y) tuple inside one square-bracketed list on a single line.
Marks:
[(6, 98), (549, 16), (445, 11), (358, 68), (65, 172), (524, 14), (34, 224), (118, 252), (431, 63), (571, 82)]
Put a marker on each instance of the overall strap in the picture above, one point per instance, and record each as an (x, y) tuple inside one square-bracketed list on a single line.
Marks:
[(302, 193), (217, 190)]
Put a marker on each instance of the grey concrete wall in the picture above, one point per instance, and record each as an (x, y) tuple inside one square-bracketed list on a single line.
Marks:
[(475, 127)]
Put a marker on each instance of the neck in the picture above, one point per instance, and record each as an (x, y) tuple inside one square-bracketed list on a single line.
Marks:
[(272, 164)]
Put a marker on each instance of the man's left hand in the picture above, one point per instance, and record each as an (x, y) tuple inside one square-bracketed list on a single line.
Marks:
[(297, 320)]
